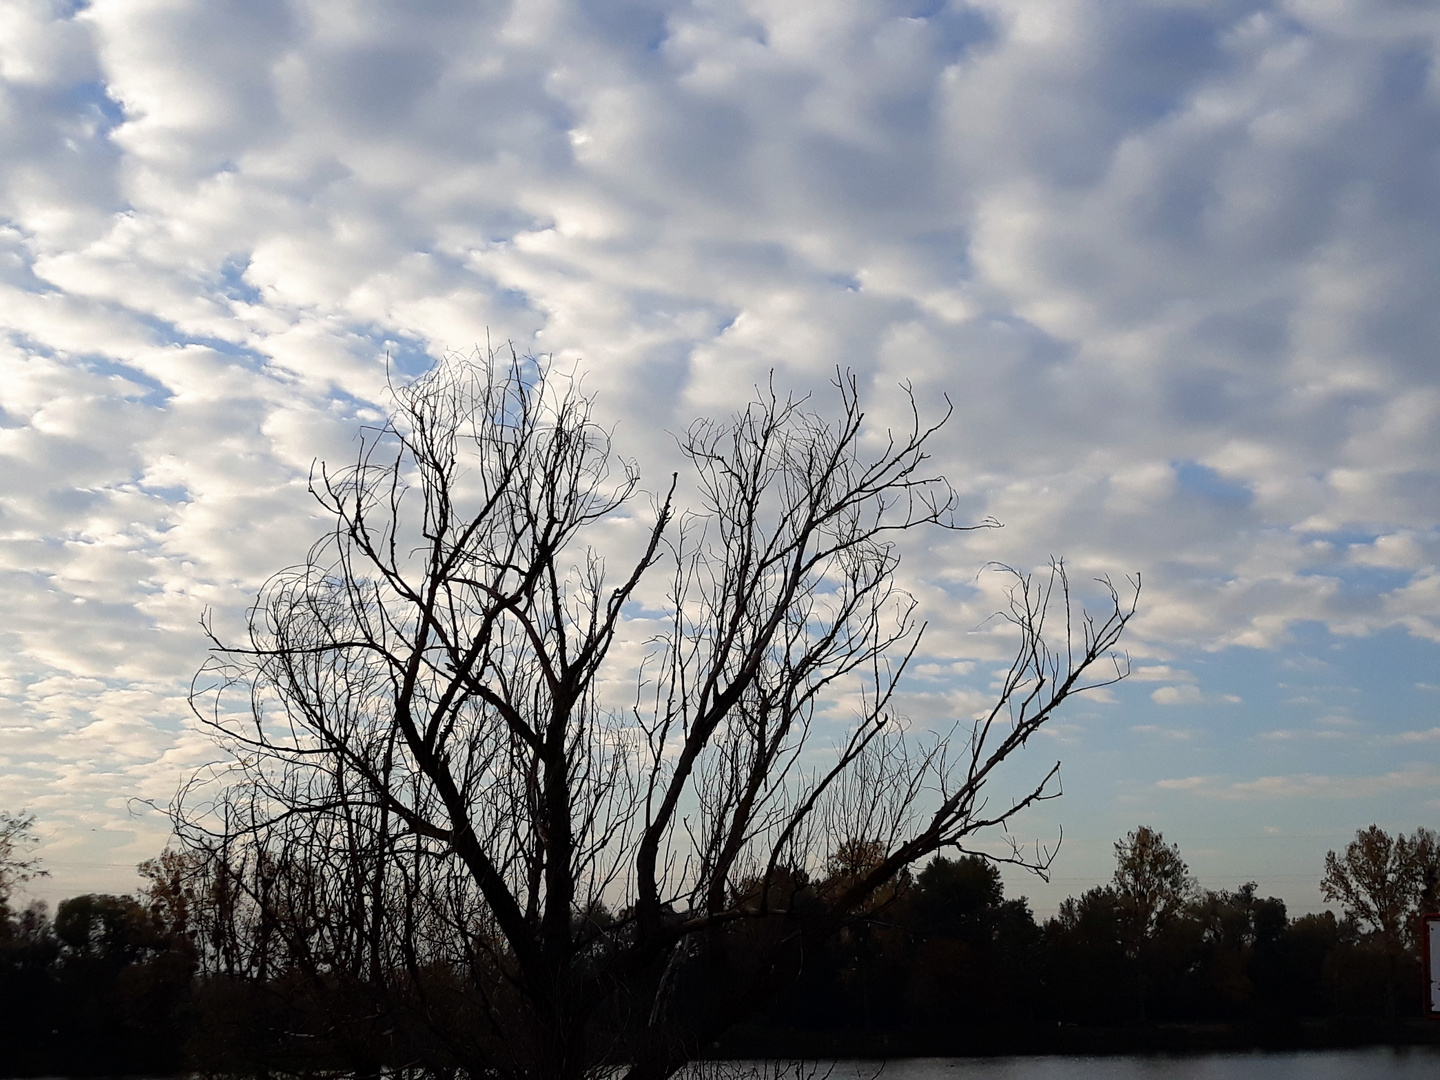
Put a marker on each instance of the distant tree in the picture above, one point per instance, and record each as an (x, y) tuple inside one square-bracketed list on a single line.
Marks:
[(1380, 879), (1271, 926), (172, 880), (1425, 851), (1152, 885), (974, 951), (953, 896), (1382, 882), (111, 930), (1091, 975), (17, 866), (1151, 880), (98, 990), (1235, 934), (434, 778), (1293, 971), (27, 999)]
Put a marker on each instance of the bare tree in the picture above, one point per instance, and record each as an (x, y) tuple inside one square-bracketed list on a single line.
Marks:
[(437, 799)]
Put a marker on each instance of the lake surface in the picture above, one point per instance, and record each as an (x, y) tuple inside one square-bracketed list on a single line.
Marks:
[(1364, 1064)]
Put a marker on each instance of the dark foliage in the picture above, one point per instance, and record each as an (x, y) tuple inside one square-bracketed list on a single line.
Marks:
[(936, 960), (102, 988)]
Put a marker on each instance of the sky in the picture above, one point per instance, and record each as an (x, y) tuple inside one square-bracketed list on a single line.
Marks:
[(1175, 265)]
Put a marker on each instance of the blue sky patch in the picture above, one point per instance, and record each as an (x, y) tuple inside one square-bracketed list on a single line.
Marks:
[(1204, 481)]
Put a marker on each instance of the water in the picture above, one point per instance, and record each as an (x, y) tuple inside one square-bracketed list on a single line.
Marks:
[(1373, 1062)]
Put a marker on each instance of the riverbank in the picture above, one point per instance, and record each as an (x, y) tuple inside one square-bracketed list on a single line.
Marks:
[(1336, 1033)]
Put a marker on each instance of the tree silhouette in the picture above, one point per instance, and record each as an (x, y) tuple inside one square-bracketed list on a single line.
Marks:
[(1151, 880), (1384, 882), (1152, 885), (17, 866), (444, 818), (1379, 879)]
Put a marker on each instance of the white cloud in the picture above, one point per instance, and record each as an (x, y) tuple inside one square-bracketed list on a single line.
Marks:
[(1189, 694), (1173, 265), (1160, 673), (1187, 783), (1426, 736), (1307, 786), (1179, 734), (1329, 727), (1288, 734)]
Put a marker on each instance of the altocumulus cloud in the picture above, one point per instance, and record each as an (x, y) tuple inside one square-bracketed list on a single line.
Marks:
[(1173, 264), (1306, 786)]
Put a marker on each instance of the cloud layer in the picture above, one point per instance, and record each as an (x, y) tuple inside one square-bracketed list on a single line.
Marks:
[(1173, 264)]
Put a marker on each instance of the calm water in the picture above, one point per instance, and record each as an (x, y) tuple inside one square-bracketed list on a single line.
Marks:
[(1410, 1063), (1414, 1062)]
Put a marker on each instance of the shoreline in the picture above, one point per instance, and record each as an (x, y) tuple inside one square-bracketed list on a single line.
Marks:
[(753, 1042)]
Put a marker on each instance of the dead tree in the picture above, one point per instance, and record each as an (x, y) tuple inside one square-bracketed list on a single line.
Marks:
[(437, 798)]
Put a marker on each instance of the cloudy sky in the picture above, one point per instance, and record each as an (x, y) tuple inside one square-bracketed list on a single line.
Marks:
[(1174, 262)]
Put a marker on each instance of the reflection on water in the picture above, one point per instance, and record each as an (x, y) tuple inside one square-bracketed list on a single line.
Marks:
[(1365, 1064)]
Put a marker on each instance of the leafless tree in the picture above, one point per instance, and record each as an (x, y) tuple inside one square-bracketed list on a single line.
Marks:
[(436, 797)]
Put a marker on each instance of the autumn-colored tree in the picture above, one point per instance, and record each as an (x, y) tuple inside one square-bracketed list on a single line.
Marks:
[(1385, 883), (1151, 880), (1379, 880), (1152, 884)]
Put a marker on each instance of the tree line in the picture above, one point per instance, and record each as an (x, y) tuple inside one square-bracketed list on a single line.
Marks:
[(528, 775), (183, 976)]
